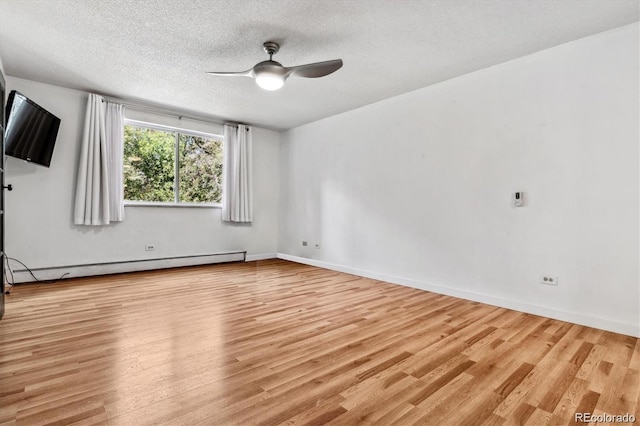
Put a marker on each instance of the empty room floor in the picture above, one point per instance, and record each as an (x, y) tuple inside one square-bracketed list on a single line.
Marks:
[(274, 342)]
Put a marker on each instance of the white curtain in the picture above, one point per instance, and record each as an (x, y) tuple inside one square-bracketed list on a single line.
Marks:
[(237, 196), (114, 132), (99, 196)]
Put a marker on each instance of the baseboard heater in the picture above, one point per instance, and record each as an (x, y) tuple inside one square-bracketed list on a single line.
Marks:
[(85, 270)]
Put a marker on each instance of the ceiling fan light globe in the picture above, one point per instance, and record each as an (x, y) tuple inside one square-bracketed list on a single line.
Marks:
[(268, 81)]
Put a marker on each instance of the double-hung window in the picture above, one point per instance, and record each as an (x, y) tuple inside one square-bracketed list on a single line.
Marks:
[(169, 166)]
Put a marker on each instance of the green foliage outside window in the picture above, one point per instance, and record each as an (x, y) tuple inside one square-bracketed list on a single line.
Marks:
[(149, 166), (200, 169)]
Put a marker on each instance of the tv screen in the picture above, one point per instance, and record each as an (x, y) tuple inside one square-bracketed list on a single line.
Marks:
[(31, 130)]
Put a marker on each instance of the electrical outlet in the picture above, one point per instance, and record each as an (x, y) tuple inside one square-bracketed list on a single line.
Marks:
[(518, 199), (150, 247), (548, 280), (304, 243)]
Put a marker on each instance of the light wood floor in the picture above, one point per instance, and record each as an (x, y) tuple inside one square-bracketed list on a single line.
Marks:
[(276, 342)]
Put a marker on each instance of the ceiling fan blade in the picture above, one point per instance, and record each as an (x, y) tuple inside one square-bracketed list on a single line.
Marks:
[(248, 73), (318, 69)]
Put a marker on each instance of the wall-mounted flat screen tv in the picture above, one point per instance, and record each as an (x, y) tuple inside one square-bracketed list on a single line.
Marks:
[(31, 130)]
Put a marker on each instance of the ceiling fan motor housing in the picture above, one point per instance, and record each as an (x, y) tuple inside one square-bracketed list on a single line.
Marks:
[(269, 66)]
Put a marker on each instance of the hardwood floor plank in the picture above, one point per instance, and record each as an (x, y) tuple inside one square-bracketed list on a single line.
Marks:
[(371, 404), (320, 414), (634, 363), (521, 414), (600, 376), (392, 416), (539, 418), (274, 342), (567, 407), (587, 404), (620, 392), (562, 381)]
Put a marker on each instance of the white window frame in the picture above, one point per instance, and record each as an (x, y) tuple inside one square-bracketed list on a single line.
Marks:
[(176, 159)]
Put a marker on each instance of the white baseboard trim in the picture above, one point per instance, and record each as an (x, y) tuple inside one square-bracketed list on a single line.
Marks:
[(572, 317), (73, 271), (263, 256)]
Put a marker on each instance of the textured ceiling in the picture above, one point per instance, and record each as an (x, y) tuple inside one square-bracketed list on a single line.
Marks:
[(157, 51)]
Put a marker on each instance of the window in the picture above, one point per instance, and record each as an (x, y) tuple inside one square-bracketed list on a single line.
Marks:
[(167, 165)]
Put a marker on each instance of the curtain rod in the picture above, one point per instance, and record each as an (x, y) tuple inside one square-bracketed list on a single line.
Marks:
[(167, 112)]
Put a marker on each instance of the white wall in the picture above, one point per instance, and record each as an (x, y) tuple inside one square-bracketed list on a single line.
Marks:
[(40, 230), (416, 189)]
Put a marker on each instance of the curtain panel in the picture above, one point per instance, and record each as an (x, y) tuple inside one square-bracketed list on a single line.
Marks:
[(99, 193), (237, 195)]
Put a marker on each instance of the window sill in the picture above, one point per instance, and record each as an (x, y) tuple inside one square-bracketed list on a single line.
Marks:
[(171, 205)]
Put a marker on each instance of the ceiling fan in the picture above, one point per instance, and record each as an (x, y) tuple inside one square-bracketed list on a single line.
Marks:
[(270, 75)]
